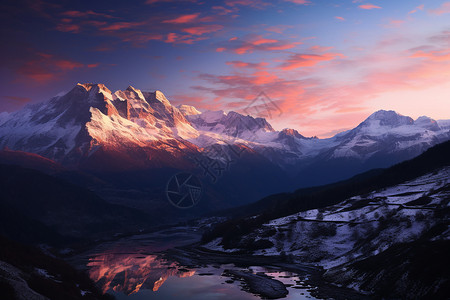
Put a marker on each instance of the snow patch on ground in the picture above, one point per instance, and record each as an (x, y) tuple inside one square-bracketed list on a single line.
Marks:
[(357, 227)]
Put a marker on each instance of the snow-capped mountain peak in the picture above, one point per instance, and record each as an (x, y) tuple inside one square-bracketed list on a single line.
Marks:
[(290, 132), (135, 93), (428, 123), (388, 118), (389, 132), (231, 123), (89, 116), (188, 110)]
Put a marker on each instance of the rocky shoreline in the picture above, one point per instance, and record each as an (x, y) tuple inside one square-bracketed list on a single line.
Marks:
[(262, 285)]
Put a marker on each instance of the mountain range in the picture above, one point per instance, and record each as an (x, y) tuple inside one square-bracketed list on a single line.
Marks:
[(108, 134)]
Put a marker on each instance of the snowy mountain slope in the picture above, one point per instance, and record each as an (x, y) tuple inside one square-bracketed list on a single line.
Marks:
[(384, 133), (357, 228), (387, 128), (353, 218), (444, 124), (73, 126), (188, 110), (385, 138)]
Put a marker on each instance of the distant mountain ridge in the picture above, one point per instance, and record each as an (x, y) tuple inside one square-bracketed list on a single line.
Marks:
[(95, 130)]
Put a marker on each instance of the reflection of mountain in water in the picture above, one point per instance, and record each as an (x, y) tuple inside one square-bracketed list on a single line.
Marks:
[(128, 273)]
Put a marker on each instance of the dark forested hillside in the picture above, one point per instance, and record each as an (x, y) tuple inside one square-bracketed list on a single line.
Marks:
[(284, 204), (40, 207)]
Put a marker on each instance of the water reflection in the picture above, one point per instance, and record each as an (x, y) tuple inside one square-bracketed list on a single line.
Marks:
[(138, 276), (131, 269), (129, 273)]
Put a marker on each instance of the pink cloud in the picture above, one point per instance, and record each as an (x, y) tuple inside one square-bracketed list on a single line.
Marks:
[(320, 48), (93, 65), (278, 28), (251, 3), (202, 29), (136, 38), (264, 41), (64, 27), (121, 25), (85, 14), (420, 7), (220, 10), (340, 18), (171, 37), (182, 39), (241, 64), (394, 23), (45, 67), (368, 6), (167, 1), (140, 32), (65, 65), (183, 19), (436, 56), (443, 9), (307, 60), (253, 43), (302, 2)]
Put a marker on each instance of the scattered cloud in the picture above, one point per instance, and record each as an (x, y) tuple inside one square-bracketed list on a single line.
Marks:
[(168, 1), (369, 6), (251, 43), (443, 9), (85, 14), (182, 39), (443, 38), (44, 67), (221, 10), (296, 61), (420, 7), (67, 27), (183, 19), (278, 28), (436, 56), (241, 64), (302, 2), (340, 18), (394, 23), (121, 25), (251, 3), (202, 29), (317, 48)]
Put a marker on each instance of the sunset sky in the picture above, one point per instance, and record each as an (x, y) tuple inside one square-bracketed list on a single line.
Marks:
[(326, 64)]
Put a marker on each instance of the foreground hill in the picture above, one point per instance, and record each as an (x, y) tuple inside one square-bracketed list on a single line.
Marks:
[(27, 273)]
